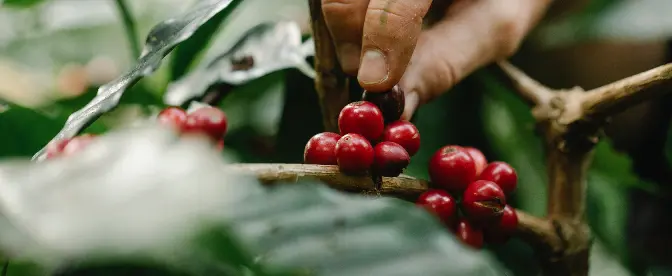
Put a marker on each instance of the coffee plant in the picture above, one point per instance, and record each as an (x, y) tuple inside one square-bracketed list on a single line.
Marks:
[(359, 191)]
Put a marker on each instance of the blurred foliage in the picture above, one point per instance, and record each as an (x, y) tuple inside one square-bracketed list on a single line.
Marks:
[(272, 118), (222, 224)]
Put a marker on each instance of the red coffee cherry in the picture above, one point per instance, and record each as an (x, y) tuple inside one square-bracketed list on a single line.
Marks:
[(354, 154), (483, 201), (55, 148), (320, 149), (77, 144), (390, 159), (501, 173), (441, 204), (479, 159), (173, 116), (207, 120), (363, 118), (452, 168), (405, 134), (501, 230), (469, 234), (391, 103)]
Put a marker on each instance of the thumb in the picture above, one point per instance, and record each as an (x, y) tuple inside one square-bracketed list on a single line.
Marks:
[(464, 41)]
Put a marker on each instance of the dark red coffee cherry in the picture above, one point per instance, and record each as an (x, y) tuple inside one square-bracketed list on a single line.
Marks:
[(363, 118), (483, 201), (55, 148), (390, 159), (173, 116), (207, 120), (391, 103), (77, 144), (441, 204), (452, 168), (502, 174), (320, 149), (479, 159), (354, 154), (501, 230), (469, 234), (405, 134)]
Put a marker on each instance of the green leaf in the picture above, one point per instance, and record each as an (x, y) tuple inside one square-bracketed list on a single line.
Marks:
[(25, 131), (20, 3), (144, 194), (263, 49), (186, 53), (510, 128), (160, 41), (609, 20)]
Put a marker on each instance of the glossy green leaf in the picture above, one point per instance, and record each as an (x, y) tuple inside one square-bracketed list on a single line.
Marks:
[(188, 51), (142, 194), (160, 41)]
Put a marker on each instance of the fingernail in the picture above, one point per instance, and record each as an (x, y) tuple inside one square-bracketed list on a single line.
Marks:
[(349, 56), (412, 101), (374, 67)]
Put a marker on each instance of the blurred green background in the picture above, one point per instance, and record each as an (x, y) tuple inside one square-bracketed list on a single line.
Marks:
[(55, 53)]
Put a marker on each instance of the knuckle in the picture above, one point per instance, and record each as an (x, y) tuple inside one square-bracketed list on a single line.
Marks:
[(509, 32)]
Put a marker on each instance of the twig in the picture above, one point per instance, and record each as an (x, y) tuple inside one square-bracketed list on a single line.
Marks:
[(618, 96), (402, 186), (529, 89), (129, 27), (533, 229), (331, 82)]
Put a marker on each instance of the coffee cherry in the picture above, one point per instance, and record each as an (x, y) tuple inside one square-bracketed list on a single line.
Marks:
[(391, 103), (441, 204), (77, 144), (54, 149), (405, 134), (479, 159), (390, 159), (452, 168), (502, 174), (362, 118), (483, 201), (354, 154), (207, 120), (173, 116), (501, 230), (469, 234), (320, 149)]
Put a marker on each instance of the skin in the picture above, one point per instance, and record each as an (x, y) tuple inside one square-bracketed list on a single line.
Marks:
[(383, 42)]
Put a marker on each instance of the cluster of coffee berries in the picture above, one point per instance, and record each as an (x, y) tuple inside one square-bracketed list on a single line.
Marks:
[(67, 147), (469, 195), (207, 120), (372, 137)]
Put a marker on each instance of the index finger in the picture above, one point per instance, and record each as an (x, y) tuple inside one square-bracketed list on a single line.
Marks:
[(391, 30)]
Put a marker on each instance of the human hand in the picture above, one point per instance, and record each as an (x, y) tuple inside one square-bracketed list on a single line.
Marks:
[(382, 41)]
